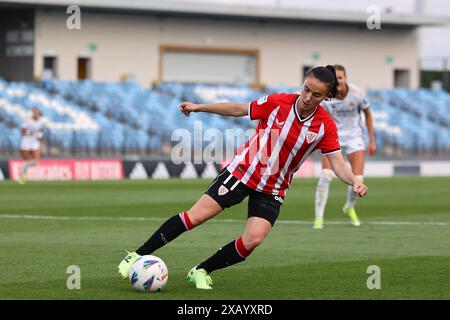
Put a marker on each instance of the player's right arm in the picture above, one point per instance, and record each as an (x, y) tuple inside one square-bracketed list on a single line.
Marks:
[(231, 109)]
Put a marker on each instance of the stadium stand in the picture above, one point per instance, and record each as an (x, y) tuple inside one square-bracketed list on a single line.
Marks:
[(107, 117), (414, 121)]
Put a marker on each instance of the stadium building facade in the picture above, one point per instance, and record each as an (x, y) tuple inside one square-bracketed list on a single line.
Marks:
[(152, 41)]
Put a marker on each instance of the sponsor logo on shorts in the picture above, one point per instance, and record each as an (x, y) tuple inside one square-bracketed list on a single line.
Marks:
[(279, 199), (222, 190)]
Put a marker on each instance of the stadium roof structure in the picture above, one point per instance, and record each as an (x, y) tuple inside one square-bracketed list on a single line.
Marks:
[(249, 13)]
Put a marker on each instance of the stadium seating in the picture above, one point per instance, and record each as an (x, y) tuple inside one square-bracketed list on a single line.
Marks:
[(412, 120), (103, 117)]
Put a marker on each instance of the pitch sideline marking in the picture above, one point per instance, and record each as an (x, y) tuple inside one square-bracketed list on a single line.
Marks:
[(93, 218)]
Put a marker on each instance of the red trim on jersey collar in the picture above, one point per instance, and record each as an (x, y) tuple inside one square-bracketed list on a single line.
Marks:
[(298, 116)]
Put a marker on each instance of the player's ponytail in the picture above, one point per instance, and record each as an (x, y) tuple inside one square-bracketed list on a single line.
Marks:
[(334, 87), (326, 74)]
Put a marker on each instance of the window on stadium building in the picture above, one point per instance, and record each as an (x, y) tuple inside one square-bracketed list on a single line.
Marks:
[(84, 68), (213, 65), (401, 78), (50, 67)]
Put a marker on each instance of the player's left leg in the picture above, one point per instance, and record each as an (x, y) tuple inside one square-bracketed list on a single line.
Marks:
[(262, 213), (211, 203), (223, 192), (234, 252), (35, 158), (36, 155), (356, 160), (204, 209), (321, 195)]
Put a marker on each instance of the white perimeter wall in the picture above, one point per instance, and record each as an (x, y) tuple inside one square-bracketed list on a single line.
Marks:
[(313, 168)]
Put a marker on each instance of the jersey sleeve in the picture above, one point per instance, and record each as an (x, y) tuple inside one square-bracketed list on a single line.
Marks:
[(326, 105), (330, 141), (261, 108), (361, 94), (364, 104)]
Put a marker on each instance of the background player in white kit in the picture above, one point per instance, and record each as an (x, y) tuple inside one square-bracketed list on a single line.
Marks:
[(32, 133), (346, 111)]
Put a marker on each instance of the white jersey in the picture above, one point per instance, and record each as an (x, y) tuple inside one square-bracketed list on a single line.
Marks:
[(34, 130), (347, 113)]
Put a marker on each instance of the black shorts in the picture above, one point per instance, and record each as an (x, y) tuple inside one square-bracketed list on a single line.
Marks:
[(227, 191)]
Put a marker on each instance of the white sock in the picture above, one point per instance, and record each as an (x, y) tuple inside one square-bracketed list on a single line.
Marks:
[(27, 164), (351, 196), (24, 167), (322, 192)]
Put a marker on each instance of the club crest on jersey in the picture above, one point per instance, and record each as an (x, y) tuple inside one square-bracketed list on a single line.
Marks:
[(262, 100), (222, 190), (311, 136)]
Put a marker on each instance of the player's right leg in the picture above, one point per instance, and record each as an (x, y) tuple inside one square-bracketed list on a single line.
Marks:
[(227, 191), (263, 211), (356, 159), (23, 170), (322, 190), (234, 252), (204, 209)]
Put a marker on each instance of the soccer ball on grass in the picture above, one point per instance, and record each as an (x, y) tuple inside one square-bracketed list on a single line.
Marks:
[(148, 274)]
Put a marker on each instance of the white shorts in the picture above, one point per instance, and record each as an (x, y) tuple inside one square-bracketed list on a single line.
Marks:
[(353, 144), (29, 143)]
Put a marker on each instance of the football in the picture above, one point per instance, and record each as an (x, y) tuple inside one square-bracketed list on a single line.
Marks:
[(148, 274)]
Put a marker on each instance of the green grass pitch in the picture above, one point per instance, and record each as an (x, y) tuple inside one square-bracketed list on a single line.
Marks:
[(405, 231)]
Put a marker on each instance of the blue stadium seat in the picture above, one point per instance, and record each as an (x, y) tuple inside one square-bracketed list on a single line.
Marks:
[(90, 115)]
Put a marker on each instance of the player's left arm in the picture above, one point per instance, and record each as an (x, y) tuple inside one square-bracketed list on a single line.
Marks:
[(369, 123), (329, 145), (344, 173)]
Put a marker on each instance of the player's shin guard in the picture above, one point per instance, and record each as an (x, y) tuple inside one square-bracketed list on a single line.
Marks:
[(323, 187), (351, 196), (168, 231), (232, 253)]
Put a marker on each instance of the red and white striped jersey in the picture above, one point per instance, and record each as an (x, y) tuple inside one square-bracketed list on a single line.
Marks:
[(281, 143)]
